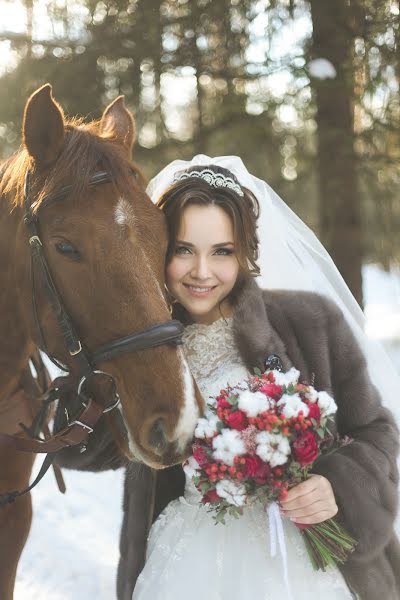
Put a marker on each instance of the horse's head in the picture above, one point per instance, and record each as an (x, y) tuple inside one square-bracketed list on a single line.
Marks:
[(105, 246)]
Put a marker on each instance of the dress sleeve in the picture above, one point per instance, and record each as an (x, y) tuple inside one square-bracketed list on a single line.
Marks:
[(363, 474)]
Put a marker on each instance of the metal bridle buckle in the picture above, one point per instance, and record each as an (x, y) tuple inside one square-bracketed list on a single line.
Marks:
[(77, 422), (75, 352), (33, 239), (115, 393)]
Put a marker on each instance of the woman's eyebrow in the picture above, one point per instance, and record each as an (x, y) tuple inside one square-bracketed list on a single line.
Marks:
[(219, 245)]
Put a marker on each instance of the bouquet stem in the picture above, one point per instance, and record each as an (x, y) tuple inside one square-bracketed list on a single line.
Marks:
[(327, 543)]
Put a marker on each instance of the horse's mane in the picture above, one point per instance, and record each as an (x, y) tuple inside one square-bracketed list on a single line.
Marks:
[(84, 152)]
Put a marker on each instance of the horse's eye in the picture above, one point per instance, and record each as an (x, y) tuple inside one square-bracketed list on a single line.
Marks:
[(68, 249)]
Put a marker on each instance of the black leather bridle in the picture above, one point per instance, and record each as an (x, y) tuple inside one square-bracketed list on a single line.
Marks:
[(73, 430), (169, 332), (79, 428)]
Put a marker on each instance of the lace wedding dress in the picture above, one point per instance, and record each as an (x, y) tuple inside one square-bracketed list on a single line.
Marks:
[(189, 557)]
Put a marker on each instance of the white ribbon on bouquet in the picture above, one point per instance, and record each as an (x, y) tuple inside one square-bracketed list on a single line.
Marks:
[(277, 537)]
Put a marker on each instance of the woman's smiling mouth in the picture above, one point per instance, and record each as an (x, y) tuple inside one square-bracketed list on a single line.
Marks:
[(199, 291)]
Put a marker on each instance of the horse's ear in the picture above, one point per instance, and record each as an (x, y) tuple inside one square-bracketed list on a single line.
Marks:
[(117, 122), (43, 127)]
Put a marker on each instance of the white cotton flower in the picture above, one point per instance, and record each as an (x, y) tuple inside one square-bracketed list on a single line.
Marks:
[(253, 403), (234, 493), (206, 426), (191, 467), (326, 404), (292, 405), (272, 448), (311, 395), (227, 445), (290, 377)]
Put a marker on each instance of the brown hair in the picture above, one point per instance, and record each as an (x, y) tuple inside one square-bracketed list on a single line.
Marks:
[(242, 210)]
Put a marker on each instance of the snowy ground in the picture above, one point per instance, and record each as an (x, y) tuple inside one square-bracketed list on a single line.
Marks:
[(72, 551)]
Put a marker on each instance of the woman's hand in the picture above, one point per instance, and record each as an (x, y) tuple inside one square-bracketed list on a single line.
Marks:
[(310, 502)]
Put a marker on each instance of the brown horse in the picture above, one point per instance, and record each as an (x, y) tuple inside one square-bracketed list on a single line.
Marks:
[(105, 247)]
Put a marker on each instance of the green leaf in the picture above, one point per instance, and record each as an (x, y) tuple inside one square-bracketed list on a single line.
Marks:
[(321, 432), (257, 372), (220, 517), (233, 400), (206, 486)]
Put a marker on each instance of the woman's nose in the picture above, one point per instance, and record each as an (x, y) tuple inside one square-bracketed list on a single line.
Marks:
[(201, 268)]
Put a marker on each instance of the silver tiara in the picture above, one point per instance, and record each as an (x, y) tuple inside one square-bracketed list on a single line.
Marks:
[(217, 180)]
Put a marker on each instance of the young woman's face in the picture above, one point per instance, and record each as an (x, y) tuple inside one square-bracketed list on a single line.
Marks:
[(204, 268)]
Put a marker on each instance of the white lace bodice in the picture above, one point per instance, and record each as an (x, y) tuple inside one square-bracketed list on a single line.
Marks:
[(212, 356)]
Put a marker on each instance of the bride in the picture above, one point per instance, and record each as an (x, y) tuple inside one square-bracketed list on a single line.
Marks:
[(224, 223)]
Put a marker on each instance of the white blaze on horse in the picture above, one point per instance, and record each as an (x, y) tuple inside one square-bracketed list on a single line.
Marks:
[(82, 252)]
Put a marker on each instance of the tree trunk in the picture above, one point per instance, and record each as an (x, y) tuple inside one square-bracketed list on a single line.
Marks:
[(340, 211)]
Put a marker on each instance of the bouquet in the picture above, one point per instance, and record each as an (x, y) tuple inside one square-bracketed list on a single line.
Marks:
[(258, 439)]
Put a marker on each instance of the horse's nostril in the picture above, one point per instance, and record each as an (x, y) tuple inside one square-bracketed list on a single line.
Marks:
[(157, 438)]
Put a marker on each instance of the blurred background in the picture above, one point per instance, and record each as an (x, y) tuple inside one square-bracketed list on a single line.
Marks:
[(305, 91)]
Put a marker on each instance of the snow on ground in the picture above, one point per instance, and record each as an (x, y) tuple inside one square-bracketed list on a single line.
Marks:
[(72, 551)]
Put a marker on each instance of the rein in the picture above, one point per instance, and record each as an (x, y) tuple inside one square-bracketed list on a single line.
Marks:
[(78, 428)]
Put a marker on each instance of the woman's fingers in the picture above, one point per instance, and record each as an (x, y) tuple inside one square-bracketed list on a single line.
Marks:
[(321, 509), (311, 501)]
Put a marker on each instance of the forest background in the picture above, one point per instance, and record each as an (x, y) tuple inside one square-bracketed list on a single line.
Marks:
[(305, 91)]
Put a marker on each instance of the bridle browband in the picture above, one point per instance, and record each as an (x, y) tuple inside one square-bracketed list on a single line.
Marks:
[(79, 427)]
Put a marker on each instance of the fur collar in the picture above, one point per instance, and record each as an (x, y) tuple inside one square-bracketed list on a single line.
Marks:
[(255, 336)]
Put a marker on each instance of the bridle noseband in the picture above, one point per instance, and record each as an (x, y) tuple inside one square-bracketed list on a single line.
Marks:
[(81, 425)]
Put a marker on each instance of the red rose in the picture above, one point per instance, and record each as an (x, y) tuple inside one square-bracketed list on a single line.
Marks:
[(263, 473), (256, 468), (314, 412), (200, 455), (222, 402), (272, 390), (305, 448), (237, 420), (251, 465), (210, 496)]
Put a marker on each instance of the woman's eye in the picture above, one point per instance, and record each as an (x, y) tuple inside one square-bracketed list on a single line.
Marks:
[(182, 250), (68, 249), (224, 251)]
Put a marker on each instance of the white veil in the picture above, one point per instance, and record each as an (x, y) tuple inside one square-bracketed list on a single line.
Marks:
[(291, 256)]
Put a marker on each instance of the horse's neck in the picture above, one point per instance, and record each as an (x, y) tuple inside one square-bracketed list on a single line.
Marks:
[(14, 339)]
